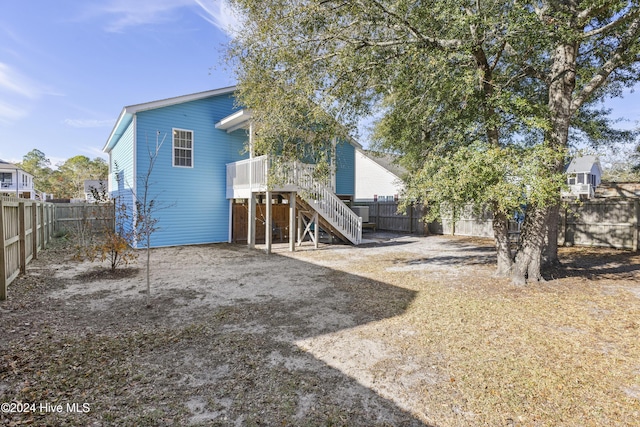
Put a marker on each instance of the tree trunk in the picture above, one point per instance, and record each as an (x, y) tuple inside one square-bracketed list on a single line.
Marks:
[(539, 238), (501, 235), (527, 265), (148, 276)]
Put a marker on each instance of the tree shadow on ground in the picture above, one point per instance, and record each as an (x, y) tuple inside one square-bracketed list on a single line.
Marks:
[(596, 263), (454, 260), (462, 251)]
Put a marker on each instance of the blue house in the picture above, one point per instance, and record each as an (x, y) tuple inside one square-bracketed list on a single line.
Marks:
[(212, 186)]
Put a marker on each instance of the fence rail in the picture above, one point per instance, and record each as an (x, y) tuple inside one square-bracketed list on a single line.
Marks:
[(84, 217), (598, 223), (26, 227), (607, 223), (385, 216)]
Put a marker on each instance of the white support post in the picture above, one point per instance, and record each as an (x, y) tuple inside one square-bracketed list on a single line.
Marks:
[(230, 239), (299, 228), (251, 152), (268, 226), (292, 221), (315, 229), (251, 226)]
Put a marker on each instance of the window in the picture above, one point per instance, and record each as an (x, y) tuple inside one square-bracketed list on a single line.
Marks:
[(183, 148), (572, 179), (6, 177)]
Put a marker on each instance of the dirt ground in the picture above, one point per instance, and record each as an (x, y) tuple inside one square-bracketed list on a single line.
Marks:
[(401, 331)]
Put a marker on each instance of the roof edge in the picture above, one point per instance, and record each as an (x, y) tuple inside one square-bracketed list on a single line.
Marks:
[(152, 105), (130, 110)]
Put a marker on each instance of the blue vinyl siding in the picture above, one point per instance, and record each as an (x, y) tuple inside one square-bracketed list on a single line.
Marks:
[(122, 159), (345, 168), (192, 203), (122, 179), (193, 200)]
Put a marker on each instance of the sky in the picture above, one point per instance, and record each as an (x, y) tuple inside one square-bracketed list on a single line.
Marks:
[(68, 67)]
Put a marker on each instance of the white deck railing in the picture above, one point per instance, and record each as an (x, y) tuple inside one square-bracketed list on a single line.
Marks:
[(580, 190), (247, 176), (12, 186), (252, 175)]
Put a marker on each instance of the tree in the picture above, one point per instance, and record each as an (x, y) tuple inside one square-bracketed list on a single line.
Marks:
[(68, 179), (146, 209), (37, 164), (621, 164), (485, 91), (110, 240)]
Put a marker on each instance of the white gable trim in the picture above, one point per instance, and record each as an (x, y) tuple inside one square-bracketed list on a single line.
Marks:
[(128, 112), (132, 109)]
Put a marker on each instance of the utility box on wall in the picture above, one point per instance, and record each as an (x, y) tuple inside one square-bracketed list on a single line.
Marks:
[(362, 212)]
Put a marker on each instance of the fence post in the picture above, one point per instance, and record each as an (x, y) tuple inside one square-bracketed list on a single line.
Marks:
[(411, 218), (453, 221), (42, 221), (3, 267), (49, 223), (22, 234), (636, 230), (34, 229), (45, 222), (564, 226)]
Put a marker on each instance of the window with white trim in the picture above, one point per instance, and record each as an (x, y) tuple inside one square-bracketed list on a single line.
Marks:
[(183, 148)]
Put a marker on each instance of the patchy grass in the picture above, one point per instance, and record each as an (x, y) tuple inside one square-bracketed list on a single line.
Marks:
[(564, 352), (427, 337)]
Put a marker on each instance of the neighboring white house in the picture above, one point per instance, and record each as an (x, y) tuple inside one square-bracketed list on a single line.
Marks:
[(583, 177), (15, 182), (91, 185), (377, 177)]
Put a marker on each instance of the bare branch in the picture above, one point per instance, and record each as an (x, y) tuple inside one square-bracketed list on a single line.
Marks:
[(611, 25), (616, 59), (443, 44)]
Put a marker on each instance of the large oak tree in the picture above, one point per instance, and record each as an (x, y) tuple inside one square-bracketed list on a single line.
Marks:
[(477, 97)]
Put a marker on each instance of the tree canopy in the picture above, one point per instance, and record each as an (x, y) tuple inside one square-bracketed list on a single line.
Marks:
[(67, 181), (479, 98)]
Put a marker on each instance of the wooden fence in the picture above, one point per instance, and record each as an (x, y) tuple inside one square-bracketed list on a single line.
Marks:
[(26, 227), (82, 218), (385, 216), (606, 223), (601, 223)]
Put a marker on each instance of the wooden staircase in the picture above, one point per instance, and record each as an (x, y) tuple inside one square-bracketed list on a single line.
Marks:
[(260, 174), (305, 209), (334, 216)]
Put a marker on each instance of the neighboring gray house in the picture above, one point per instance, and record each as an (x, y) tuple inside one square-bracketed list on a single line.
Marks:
[(378, 177), (583, 177)]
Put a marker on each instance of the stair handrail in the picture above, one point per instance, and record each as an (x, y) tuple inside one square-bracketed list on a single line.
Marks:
[(324, 200), (315, 190)]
